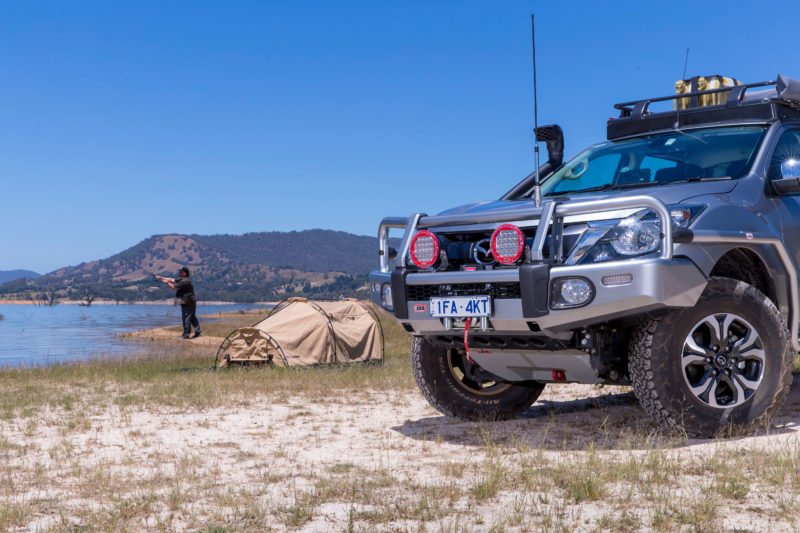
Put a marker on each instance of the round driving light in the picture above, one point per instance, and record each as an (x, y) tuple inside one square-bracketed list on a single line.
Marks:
[(571, 292), (508, 242), (386, 296), (576, 291), (424, 249)]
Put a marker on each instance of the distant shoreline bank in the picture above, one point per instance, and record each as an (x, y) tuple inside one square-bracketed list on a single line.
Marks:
[(167, 302)]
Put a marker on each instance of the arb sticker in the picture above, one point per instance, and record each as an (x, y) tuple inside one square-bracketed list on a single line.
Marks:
[(420, 308)]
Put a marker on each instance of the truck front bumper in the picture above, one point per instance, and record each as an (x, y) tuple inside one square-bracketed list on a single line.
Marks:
[(621, 288)]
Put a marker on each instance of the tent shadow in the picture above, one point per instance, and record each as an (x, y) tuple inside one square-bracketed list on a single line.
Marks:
[(608, 422)]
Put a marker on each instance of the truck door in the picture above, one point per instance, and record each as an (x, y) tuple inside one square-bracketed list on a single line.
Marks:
[(785, 156)]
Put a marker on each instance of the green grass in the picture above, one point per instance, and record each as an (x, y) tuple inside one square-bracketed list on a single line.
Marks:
[(182, 375)]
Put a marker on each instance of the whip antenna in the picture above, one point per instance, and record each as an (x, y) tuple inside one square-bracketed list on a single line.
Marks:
[(685, 63), (677, 125), (537, 193)]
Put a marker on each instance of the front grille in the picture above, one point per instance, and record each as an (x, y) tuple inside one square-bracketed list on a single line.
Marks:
[(498, 291)]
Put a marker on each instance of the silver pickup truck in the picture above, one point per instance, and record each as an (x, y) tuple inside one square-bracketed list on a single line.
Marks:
[(664, 258)]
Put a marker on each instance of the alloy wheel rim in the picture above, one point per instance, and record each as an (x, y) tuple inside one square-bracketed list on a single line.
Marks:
[(723, 360)]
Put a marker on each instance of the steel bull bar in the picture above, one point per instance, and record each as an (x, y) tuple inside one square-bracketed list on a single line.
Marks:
[(552, 213)]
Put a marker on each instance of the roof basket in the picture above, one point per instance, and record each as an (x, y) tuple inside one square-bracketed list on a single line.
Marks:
[(742, 103)]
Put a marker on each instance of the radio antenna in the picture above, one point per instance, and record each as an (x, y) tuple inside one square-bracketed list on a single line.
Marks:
[(537, 193), (677, 124), (685, 63)]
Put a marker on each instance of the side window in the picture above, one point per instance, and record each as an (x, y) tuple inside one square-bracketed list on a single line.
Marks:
[(788, 147), (587, 173)]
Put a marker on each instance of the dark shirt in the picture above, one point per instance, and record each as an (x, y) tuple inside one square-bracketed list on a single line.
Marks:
[(184, 291)]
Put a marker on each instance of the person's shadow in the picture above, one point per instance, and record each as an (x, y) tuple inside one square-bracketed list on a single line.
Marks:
[(613, 420)]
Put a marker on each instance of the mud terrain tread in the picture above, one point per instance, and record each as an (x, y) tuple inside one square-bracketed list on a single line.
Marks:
[(425, 359), (647, 362)]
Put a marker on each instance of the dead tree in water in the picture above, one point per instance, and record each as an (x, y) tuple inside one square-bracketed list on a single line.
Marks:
[(47, 298), (88, 298)]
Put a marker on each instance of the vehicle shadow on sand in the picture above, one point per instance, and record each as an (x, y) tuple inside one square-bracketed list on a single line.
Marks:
[(580, 418)]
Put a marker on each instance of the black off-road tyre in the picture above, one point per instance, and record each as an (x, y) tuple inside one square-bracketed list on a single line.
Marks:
[(438, 374), (665, 363)]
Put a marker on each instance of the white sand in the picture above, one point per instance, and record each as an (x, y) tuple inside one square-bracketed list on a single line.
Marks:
[(285, 444)]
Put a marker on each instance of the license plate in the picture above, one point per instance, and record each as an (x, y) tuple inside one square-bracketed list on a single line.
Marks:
[(461, 306)]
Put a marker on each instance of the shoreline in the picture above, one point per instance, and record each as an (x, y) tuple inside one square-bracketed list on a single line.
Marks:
[(167, 302)]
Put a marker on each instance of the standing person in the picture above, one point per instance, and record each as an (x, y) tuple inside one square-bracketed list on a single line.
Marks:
[(184, 295)]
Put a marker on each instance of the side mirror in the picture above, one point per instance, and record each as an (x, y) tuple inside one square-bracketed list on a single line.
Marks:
[(789, 181), (790, 168), (790, 177)]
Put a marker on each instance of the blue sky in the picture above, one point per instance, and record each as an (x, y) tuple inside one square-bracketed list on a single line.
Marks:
[(119, 120)]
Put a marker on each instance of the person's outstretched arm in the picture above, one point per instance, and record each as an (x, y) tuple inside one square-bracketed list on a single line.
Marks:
[(168, 281)]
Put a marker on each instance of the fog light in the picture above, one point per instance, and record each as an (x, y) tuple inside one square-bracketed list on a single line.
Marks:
[(615, 280), (571, 292), (386, 296)]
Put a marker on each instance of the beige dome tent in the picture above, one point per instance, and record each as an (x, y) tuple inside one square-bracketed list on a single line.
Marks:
[(301, 332)]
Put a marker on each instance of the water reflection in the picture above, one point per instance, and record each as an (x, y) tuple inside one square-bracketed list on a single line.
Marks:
[(34, 335)]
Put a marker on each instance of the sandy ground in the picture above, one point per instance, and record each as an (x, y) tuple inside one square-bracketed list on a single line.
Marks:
[(288, 441), (167, 335)]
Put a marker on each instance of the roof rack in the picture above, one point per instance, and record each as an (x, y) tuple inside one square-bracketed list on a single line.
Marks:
[(759, 106)]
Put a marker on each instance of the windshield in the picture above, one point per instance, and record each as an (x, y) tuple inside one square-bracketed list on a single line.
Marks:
[(713, 153)]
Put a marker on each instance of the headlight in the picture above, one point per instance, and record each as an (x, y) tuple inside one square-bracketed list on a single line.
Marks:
[(636, 235)]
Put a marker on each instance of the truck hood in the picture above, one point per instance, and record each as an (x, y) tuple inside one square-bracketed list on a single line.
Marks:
[(669, 194)]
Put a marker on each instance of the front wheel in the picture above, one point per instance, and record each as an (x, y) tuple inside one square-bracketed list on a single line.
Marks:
[(456, 388), (723, 364)]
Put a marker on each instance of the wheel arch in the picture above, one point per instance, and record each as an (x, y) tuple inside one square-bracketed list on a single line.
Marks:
[(744, 264), (717, 256)]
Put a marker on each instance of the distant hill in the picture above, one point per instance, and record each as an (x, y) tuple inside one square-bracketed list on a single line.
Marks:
[(11, 275), (250, 267), (311, 251)]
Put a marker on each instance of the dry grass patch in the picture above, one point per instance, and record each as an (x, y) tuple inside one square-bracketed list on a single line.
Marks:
[(163, 443)]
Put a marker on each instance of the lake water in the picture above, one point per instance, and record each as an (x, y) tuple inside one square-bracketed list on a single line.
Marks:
[(37, 335)]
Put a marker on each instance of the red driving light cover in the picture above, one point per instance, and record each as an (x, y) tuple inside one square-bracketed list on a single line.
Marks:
[(424, 249), (508, 242)]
